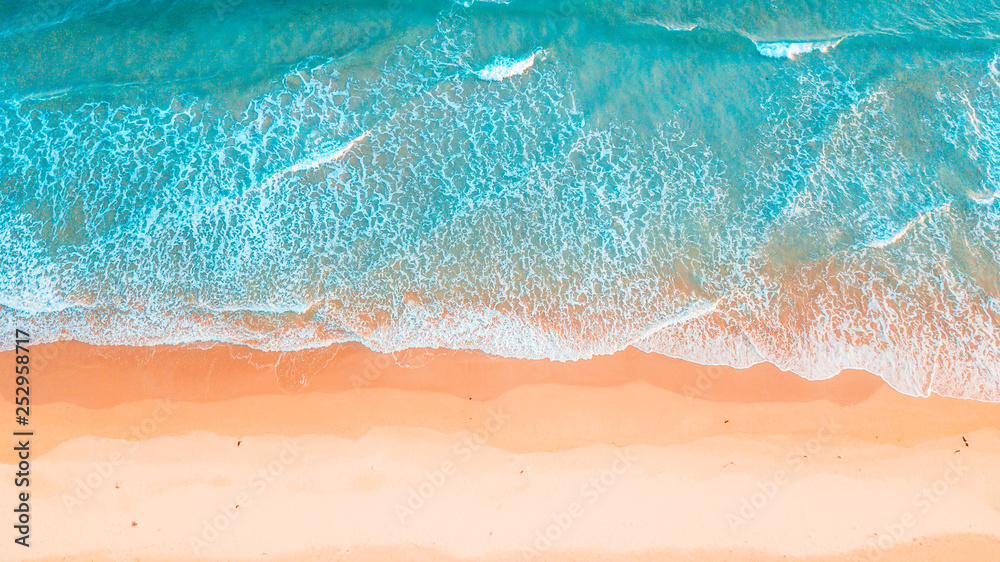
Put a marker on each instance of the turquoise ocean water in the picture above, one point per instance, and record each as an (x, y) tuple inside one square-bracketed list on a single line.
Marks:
[(811, 183)]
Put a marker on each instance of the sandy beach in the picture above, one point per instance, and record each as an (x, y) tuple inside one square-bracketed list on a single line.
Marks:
[(568, 214), (226, 453)]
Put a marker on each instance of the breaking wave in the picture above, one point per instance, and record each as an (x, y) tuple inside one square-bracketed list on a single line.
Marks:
[(781, 50)]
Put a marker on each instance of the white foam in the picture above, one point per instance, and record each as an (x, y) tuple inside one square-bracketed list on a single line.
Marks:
[(985, 200), (669, 25), (502, 67), (896, 236), (790, 50), (890, 240), (469, 3), (694, 311), (39, 298), (316, 161)]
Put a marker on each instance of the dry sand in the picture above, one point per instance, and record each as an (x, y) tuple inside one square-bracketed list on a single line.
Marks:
[(144, 453)]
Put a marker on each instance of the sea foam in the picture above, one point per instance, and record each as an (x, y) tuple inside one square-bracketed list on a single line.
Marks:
[(317, 161), (469, 3), (519, 221), (502, 67), (892, 237), (790, 50)]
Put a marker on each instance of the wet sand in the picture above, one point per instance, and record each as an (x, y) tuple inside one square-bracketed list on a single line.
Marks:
[(343, 453)]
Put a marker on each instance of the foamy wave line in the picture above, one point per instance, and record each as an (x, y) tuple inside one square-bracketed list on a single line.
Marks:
[(790, 50), (668, 25), (984, 201), (265, 308), (694, 311), (40, 299), (703, 332), (469, 3), (316, 161), (502, 67), (55, 13), (898, 235)]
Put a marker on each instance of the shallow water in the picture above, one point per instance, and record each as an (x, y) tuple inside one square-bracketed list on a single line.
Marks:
[(815, 184)]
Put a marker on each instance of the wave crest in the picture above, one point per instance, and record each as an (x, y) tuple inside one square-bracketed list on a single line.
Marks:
[(502, 67), (791, 50)]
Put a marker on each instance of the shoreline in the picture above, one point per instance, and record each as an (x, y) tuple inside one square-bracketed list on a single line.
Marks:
[(164, 369), (252, 360)]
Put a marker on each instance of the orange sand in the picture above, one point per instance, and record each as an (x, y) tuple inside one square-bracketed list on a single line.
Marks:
[(168, 435)]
